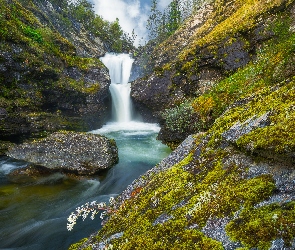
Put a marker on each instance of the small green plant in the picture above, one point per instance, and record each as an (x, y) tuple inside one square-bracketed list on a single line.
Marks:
[(180, 118), (33, 34)]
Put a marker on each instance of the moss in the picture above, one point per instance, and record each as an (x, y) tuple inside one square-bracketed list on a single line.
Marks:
[(273, 65), (33, 33), (267, 223), (36, 58), (277, 138), (78, 244), (185, 199), (228, 20), (21, 26)]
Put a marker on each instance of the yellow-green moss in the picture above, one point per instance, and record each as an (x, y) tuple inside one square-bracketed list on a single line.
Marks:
[(186, 199), (19, 25), (230, 19), (266, 224), (78, 245), (273, 65), (280, 135)]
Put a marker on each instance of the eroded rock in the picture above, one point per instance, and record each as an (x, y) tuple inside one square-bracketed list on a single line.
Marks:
[(69, 152)]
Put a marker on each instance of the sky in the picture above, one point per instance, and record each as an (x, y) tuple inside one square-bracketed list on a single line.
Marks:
[(132, 14)]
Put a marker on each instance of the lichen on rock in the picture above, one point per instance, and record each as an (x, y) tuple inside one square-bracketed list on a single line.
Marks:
[(69, 152)]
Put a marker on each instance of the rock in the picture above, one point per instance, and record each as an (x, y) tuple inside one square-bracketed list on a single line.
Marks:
[(58, 80), (69, 152), (29, 173), (85, 44), (3, 113), (4, 145), (240, 129)]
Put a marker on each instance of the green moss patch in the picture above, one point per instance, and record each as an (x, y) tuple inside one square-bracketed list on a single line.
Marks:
[(258, 227)]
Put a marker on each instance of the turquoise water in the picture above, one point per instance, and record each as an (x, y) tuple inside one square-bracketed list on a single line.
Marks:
[(33, 213)]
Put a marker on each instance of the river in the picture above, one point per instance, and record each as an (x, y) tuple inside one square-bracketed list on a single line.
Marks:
[(33, 213)]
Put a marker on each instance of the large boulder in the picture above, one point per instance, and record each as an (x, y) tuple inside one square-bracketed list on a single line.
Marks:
[(69, 152)]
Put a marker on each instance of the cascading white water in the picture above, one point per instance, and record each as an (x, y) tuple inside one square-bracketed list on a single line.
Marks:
[(119, 66)]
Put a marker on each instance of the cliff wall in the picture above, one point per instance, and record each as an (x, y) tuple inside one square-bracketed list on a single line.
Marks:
[(50, 74)]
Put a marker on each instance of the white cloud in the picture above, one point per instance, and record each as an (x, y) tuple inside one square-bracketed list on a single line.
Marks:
[(130, 13), (163, 4), (134, 10)]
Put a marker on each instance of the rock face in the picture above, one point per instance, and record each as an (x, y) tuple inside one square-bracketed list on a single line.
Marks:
[(69, 152), (201, 54), (153, 93), (85, 43), (51, 77)]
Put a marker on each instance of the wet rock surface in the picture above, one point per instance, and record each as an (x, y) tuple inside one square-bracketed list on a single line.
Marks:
[(153, 92), (68, 152), (240, 129)]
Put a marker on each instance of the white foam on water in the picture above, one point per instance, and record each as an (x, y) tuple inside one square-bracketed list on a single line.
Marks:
[(137, 128), (6, 168)]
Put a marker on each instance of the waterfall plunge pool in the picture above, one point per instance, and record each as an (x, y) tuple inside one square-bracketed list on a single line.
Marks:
[(33, 215)]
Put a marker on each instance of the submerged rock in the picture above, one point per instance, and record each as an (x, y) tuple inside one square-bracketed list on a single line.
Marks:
[(69, 152), (31, 173)]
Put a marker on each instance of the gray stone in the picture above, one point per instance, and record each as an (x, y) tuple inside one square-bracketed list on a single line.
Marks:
[(69, 152), (240, 129)]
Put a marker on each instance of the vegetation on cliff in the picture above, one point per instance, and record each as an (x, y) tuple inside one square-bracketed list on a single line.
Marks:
[(211, 65)]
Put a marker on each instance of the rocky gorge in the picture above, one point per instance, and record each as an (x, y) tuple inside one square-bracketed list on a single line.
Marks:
[(222, 88)]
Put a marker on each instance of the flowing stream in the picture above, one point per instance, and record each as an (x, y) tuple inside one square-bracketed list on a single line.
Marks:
[(33, 213)]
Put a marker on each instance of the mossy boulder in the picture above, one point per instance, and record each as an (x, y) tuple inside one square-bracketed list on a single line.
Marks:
[(68, 152)]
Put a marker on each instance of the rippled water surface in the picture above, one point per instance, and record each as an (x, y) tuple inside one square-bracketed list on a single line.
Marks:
[(33, 212)]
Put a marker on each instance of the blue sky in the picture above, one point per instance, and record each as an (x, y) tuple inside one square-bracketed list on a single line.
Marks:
[(132, 14)]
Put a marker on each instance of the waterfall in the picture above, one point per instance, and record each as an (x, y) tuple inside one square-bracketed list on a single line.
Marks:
[(119, 69)]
